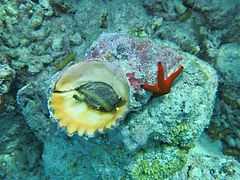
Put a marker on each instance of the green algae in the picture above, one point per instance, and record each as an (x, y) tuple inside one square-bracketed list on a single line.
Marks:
[(139, 32), (186, 15), (60, 64)]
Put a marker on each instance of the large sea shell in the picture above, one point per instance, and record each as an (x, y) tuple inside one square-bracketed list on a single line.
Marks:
[(79, 115)]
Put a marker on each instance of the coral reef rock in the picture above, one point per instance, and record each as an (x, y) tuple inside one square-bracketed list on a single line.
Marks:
[(161, 129)]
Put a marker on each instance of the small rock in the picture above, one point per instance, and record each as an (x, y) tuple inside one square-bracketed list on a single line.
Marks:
[(46, 59), (11, 10), (57, 43), (180, 8), (35, 66), (48, 11), (228, 63), (75, 39), (7, 74), (39, 35), (36, 20), (45, 4), (10, 40)]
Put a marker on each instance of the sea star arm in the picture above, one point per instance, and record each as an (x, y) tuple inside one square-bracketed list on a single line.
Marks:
[(160, 74), (174, 75), (151, 88)]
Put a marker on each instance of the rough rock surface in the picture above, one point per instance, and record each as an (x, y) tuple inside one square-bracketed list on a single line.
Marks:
[(168, 9), (210, 167), (172, 120), (225, 124), (220, 14), (228, 63), (20, 152)]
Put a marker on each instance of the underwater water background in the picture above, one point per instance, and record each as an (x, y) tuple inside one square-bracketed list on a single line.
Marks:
[(83, 96)]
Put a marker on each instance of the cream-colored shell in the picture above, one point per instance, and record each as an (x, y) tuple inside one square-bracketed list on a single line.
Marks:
[(78, 116)]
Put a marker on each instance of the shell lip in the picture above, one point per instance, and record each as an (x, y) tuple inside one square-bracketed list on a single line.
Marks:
[(84, 134)]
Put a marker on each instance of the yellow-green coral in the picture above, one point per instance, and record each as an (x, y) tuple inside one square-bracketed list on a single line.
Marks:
[(157, 165), (178, 132)]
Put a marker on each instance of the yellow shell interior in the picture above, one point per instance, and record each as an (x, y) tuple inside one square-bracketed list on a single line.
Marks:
[(78, 116)]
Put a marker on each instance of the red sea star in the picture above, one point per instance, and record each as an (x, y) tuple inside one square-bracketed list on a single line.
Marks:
[(163, 86)]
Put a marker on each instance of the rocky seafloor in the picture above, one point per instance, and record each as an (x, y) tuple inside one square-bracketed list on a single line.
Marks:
[(191, 133)]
